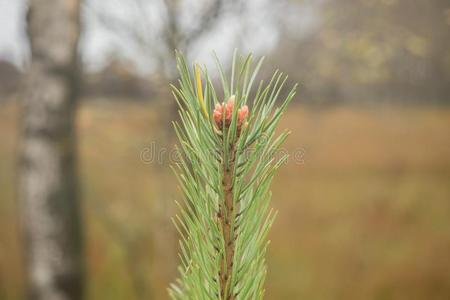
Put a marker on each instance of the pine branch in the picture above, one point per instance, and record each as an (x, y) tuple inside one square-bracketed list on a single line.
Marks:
[(227, 164)]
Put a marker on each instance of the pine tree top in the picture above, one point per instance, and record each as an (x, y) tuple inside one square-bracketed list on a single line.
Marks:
[(229, 146)]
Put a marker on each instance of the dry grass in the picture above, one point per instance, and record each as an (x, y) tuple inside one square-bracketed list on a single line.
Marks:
[(366, 216)]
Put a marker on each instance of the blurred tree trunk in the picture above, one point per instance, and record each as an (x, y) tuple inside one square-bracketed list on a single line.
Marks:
[(47, 182)]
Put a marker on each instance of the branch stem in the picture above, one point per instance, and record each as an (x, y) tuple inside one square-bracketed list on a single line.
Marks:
[(227, 216)]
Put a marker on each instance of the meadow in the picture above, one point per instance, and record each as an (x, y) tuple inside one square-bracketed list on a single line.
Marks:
[(364, 209)]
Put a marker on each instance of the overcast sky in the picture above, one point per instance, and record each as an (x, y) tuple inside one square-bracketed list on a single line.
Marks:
[(11, 30), (97, 42)]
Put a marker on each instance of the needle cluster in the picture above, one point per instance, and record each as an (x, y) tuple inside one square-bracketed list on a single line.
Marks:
[(228, 145)]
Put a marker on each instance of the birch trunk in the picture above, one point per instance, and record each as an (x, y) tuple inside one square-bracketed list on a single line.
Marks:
[(47, 181)]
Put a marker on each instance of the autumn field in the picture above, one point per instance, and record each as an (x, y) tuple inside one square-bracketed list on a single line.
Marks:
[(364, 204)]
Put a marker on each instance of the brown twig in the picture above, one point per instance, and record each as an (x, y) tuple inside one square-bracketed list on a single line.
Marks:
[(227, 221)]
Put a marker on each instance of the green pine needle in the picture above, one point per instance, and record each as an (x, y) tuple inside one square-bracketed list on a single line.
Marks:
[(227, 165)]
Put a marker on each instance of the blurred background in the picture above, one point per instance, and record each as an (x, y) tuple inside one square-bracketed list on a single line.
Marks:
[(365, 212)]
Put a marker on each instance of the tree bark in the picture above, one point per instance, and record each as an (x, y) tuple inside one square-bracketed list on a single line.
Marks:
[(47, 181)]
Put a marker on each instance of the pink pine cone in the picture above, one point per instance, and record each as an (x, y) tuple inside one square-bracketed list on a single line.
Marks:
[(228, 109)]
